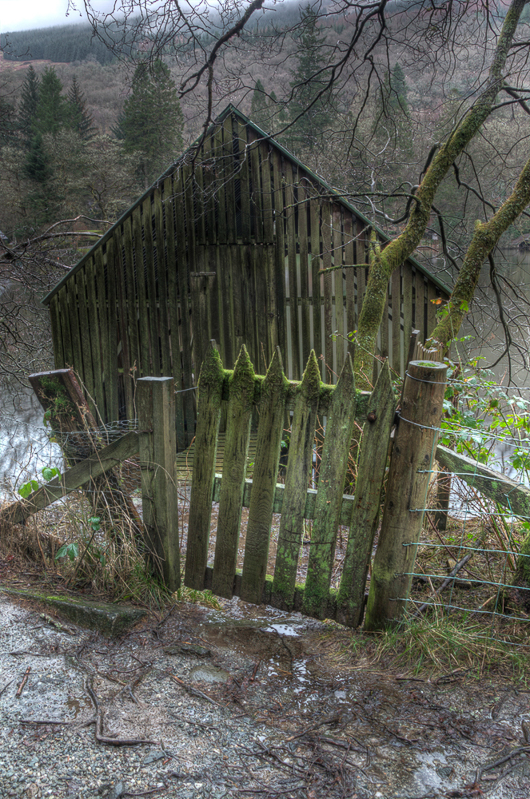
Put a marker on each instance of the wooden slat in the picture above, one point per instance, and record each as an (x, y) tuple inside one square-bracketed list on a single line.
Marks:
[(278, 324), (183, 296), (365, 514), (290, 218), (229, 167), (162, 273), (261, 272), (65, 326), (332, 472), (226, 310), (238, 298), (231, 499), (144, 363), (316, 266), (432, 308), (328, 292), (244, 178), (270, 432), (104, 405), (151, 287), (172, 311), (255, 175), (158, 449), (350, 257), (296, 482), (385, 333), (208, 167), (111, 341), (362, 250), (75, 300), (84, 335), (419, 316), (204, 462), (57, 339), (123, 326), (407, 309), (248, 303), (95, 331), (132, 301), (303, 245), (339, 288), (266, 192), (396, 320)]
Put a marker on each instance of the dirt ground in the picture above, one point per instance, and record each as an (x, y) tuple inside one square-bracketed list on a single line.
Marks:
[(245, 701)]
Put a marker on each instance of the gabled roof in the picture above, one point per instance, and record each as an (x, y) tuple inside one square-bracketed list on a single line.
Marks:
[(230, 109)]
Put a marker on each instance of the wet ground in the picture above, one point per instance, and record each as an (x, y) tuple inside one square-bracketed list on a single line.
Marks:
[(245, 702)]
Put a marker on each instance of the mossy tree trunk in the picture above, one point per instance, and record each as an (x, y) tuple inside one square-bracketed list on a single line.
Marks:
[(400, 248)]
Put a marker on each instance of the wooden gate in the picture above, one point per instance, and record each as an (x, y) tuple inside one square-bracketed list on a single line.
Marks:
[(330, 590)]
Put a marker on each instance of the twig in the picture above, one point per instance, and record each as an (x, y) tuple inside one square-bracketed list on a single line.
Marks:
[(311, 729), (195, 691), (519, 751), (196, 723), (446, 582), (24, 681), (98, 720), (5, 687)]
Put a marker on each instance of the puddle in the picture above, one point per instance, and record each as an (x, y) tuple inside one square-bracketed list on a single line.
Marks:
[(282, 629), (206, 673)]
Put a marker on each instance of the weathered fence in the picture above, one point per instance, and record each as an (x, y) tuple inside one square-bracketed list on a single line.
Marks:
[(308, 400)]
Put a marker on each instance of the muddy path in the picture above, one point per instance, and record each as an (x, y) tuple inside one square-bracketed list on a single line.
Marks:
[(246, 702)]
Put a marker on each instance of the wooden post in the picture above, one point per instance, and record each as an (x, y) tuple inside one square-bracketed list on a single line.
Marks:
[(209, 414), (371, 471), (408, 481), (296, 481), (155, 400), (328, 501), (270, 429), (234, 467)]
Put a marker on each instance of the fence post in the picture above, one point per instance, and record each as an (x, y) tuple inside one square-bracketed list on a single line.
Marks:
[(408, 482), (155, 400)]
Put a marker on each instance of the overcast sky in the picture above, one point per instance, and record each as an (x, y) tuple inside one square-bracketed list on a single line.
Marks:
[(19, 15)]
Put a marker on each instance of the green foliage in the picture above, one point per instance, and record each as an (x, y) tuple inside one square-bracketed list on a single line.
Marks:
[(71, 551), (478, 412), (152, 120), (48, 473)]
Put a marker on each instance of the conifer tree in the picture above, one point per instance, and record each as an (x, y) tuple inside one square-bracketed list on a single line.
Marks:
[(80, 118), (306, 85), (27, 110), (152, 120), (52, 108)]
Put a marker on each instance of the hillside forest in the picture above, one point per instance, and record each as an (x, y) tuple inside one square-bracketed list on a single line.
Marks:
[(88, 122)]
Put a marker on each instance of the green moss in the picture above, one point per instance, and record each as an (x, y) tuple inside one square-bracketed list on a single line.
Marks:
[(212, 375)]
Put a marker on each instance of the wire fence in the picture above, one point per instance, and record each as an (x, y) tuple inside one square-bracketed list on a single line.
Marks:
[(472, 564)]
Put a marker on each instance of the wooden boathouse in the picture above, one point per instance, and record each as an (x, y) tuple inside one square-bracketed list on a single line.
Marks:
[(226, 245)]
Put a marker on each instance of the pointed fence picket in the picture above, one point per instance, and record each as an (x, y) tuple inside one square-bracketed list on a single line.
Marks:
[(327, 506)]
